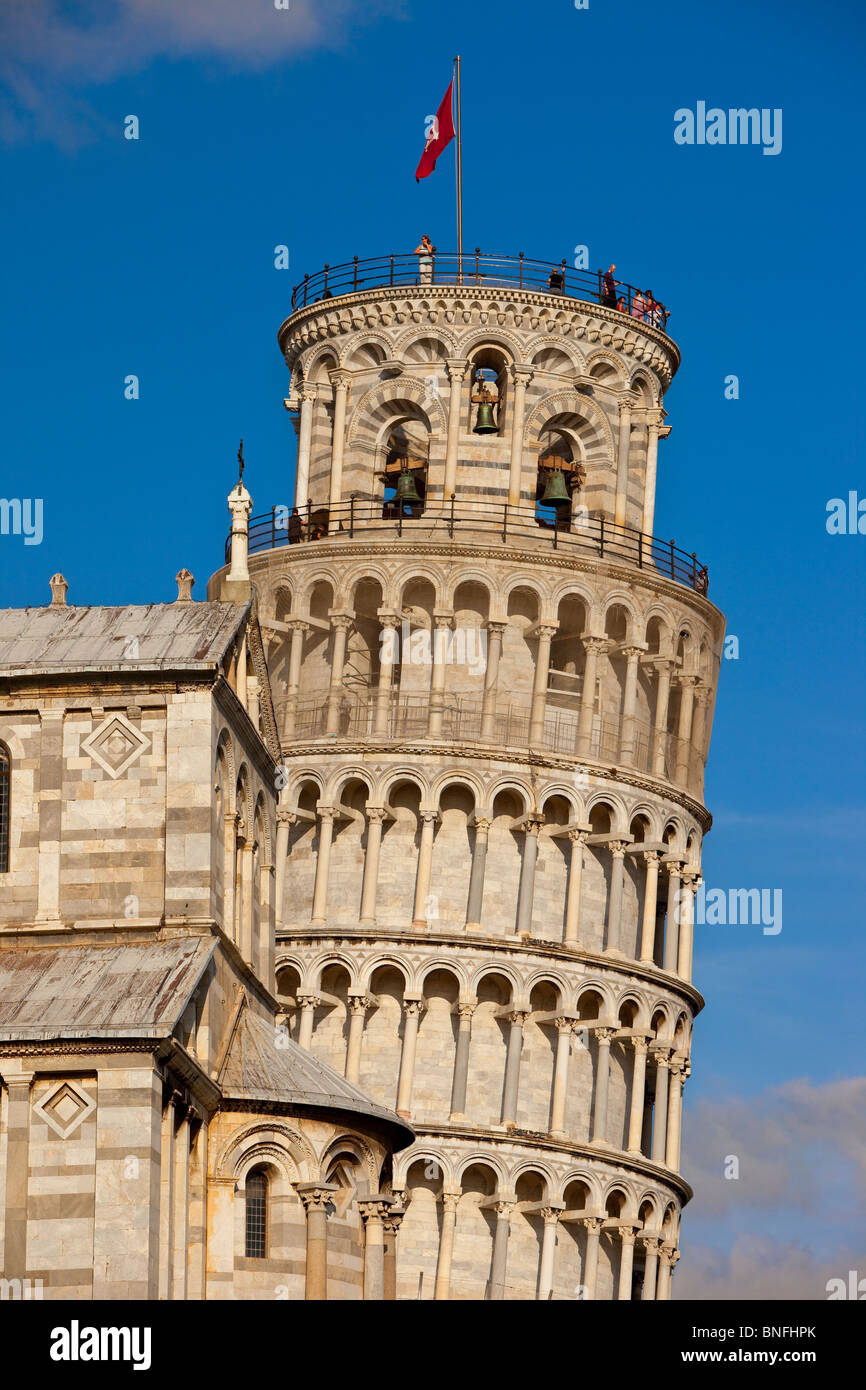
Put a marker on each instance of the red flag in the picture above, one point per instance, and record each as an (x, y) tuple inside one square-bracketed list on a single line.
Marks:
[(441, 134)]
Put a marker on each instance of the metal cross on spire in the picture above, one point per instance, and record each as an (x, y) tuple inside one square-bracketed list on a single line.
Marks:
[(240, 463)]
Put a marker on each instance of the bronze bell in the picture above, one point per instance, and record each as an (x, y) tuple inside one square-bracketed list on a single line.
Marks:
[(406, 489), (484, 423), (555, 491)]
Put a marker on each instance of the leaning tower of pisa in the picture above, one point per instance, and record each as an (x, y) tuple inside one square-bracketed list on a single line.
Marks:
[(495, 687)]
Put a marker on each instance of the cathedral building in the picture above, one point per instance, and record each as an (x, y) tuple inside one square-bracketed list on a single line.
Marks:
[(347, 917)]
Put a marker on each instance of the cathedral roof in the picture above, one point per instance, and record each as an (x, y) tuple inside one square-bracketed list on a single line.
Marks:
[(265, 1066), (166, 636), (118, 991), (141, 990)]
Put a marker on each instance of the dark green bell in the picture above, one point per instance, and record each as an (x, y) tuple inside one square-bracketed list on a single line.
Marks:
[(406, 489), (555, 491), (484, 424)]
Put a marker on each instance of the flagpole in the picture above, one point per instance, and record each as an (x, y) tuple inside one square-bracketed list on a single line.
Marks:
[(459, 176)]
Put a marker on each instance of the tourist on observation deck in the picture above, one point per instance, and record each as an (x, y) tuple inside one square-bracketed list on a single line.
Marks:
[(608, 297), (556, 281), (294, 528), (639, 306), (425, 251)]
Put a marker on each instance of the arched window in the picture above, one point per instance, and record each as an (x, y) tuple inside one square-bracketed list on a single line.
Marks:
[(5, 809), (256, 1222)]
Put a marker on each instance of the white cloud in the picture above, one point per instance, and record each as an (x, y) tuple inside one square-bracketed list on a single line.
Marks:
[(49, 50), (761, 1270)]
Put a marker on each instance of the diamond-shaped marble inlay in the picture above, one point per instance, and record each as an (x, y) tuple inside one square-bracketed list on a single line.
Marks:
[(115, 745), (65, 1108)]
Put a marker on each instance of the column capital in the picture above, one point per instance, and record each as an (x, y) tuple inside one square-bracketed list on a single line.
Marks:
[(651, 856), (297, 624), (650, 1242), (595, 644), (450, 1200), (593, 1224), (287, 817), (457, 368), (340, 379), (627, 1235), (578, 836), (376, 813), (604, 1035), (504, 1208), (341, 621), (358, 1004), (639, 1044), (482, 823), (326, 812), (413, 1008), (618, 848), (375, 1207), (388, 618), (668, 1254), (566, 1023), (392, 1220), (551, 1214), (308, 393), (496, 626), (546, 630), (465, 1008), (632, 651), (520, 373), (316, 1196), (627, 399), (533, 823)]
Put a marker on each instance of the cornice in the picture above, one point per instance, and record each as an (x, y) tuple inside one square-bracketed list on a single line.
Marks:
[(638, 577), (423, 749), (535, 1140), (588, 961), (527, 311)]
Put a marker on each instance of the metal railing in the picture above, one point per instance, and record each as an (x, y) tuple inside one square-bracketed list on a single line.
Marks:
[(478, 269), (501, 522), (408, 717)]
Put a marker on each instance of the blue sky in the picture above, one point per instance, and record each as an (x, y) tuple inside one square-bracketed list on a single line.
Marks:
[(303, 127)]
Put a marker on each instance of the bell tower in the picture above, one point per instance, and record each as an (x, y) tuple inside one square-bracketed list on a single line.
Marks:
[(494, 689)]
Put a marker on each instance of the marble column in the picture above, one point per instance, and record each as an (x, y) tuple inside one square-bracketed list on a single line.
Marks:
[(412, 1017), (602, 1077), (614, 901), (391, 1226), (668, 1257), (316, 1198), (465, 1010), (590, 1265), (687, 924), (672, 916), (684, 729), (660, 1109), (649, 494), (651, 1264), (520, 378), (495, 633), (456, 376), (539, 689), (340, 382), (577, 839), (425, 865), (357, 1014), (629, 700), (340, 626), (373, 1211), (660, 719), (564, 1029), (305, 438), (298, 629), (326, 816), (626, 1263), (442, 623), (375, 818), (476, 877), (442, 1290), (638, 1093), (388, 646), (675, 1115), (499, 1265), (651, 858), (308, 1005), (550, 1217), (526, 890), (517, 1019), (593, 646), (285, 821), (626, 401)]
